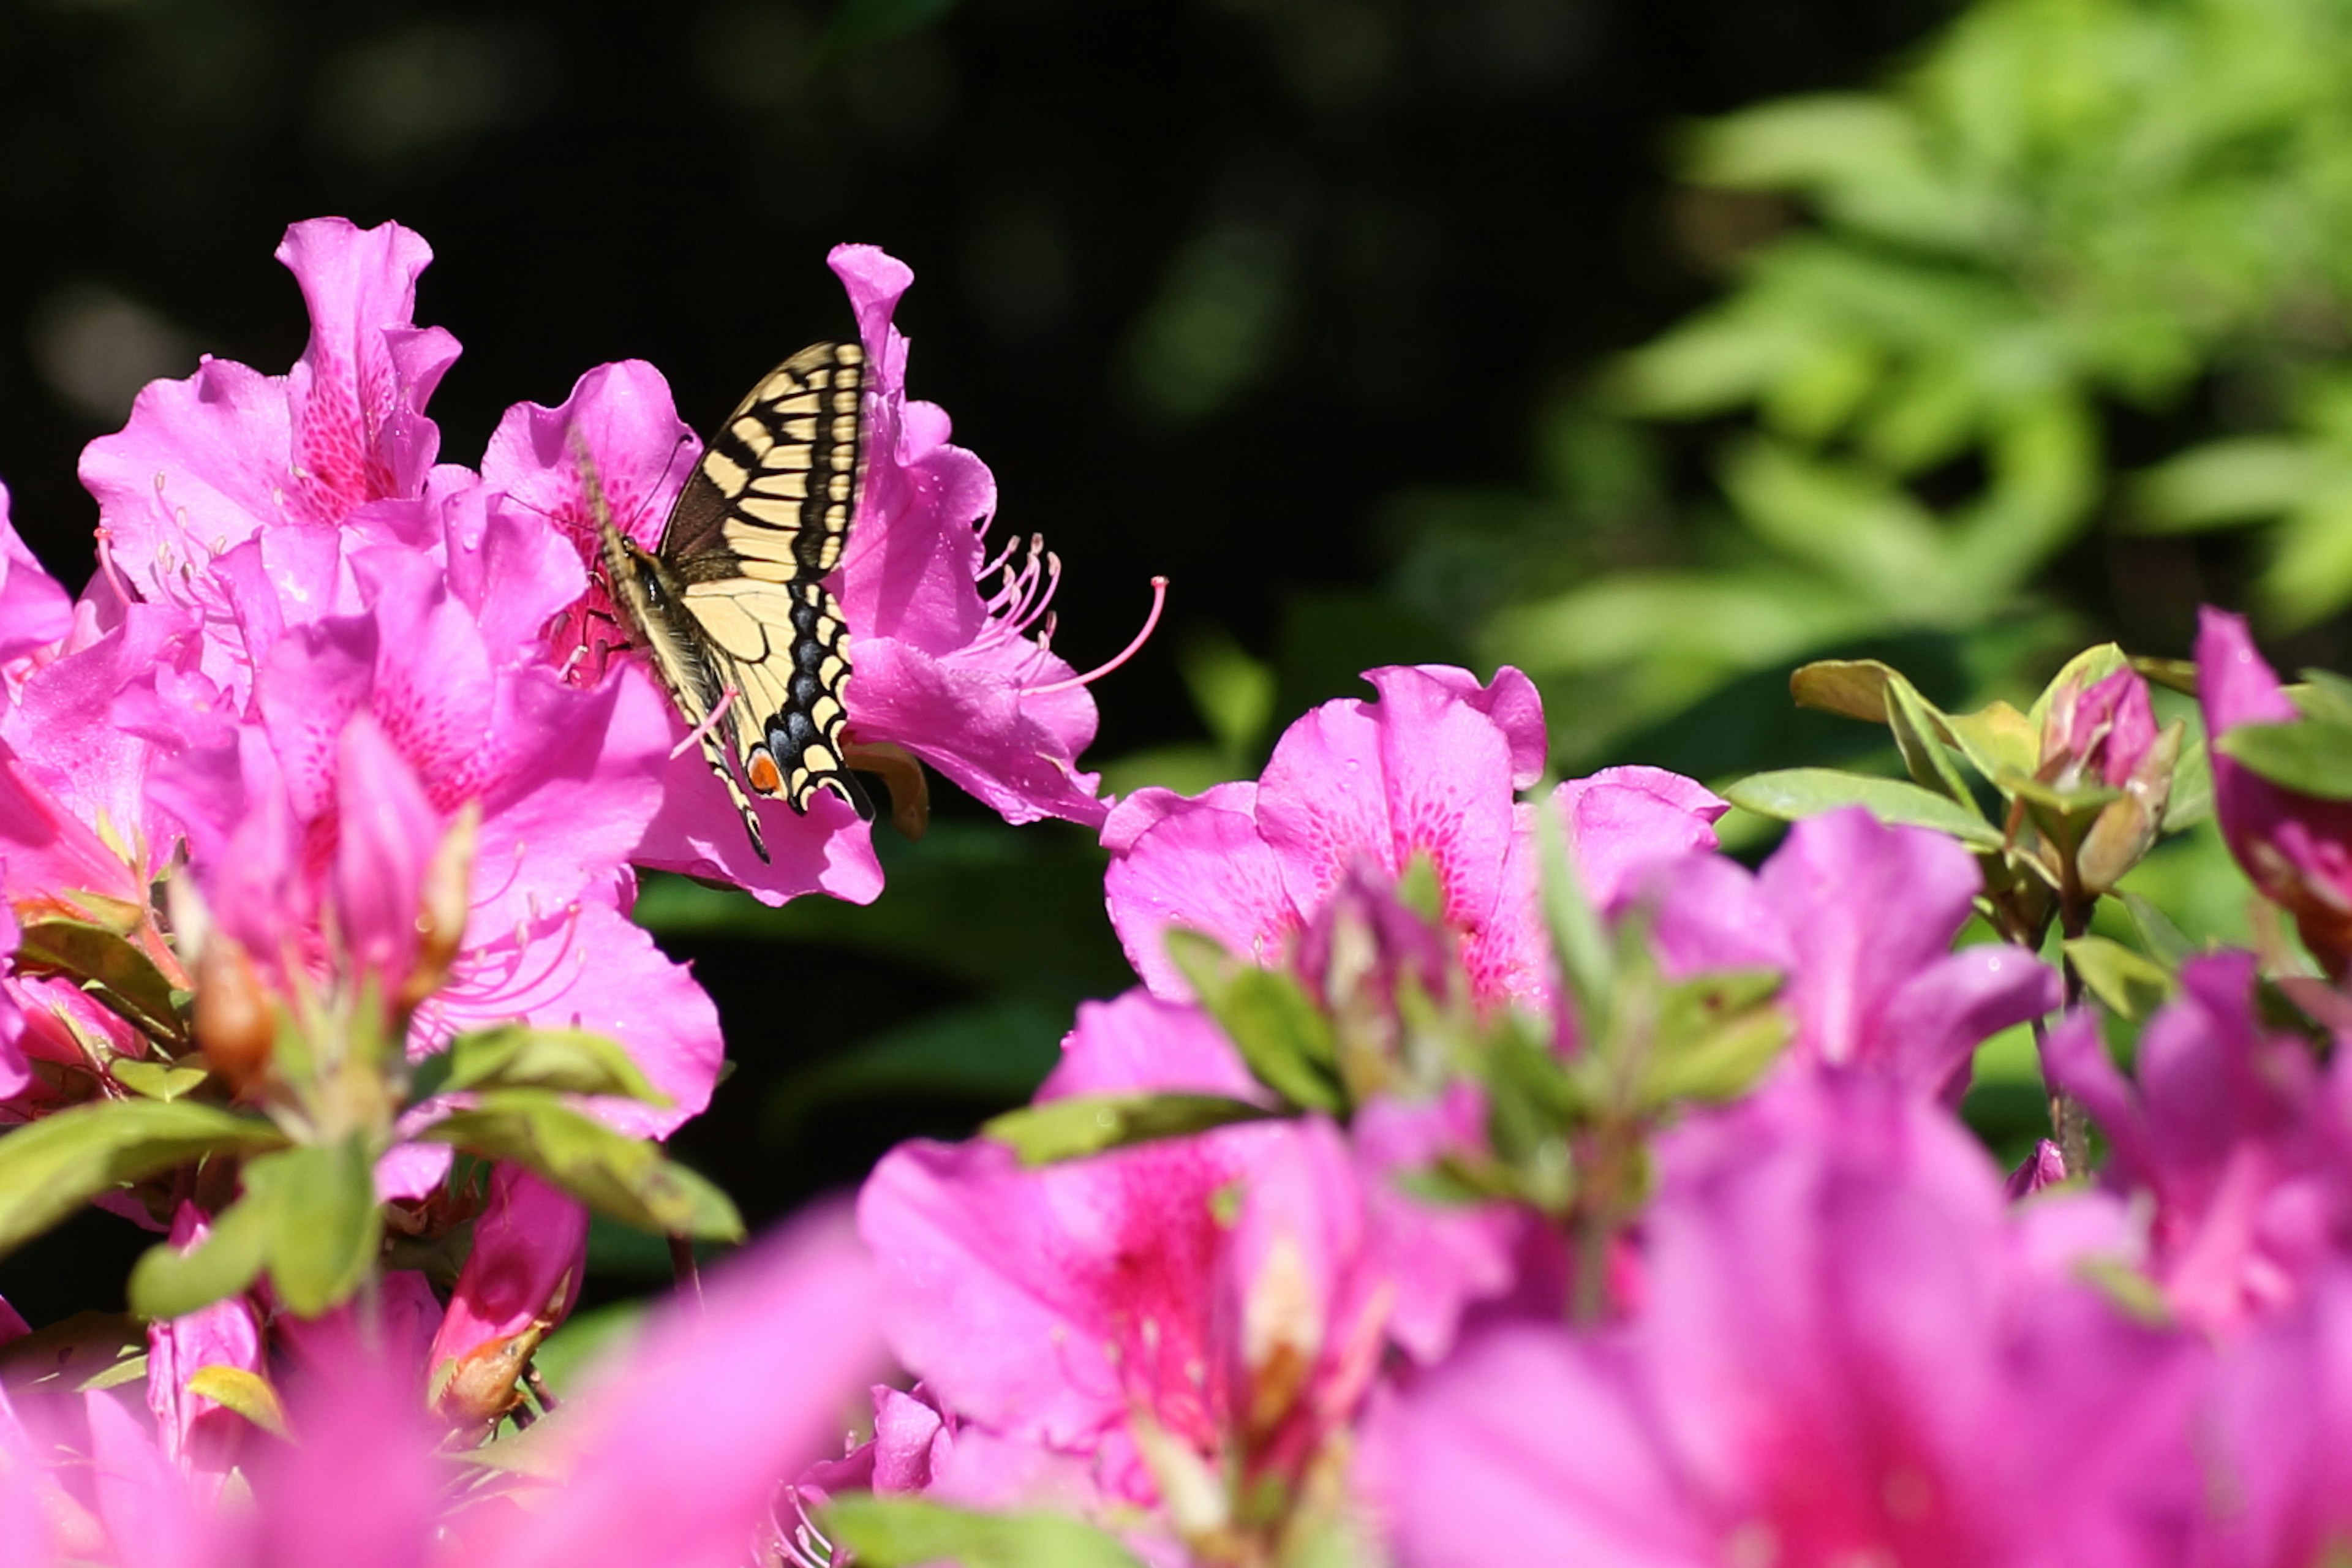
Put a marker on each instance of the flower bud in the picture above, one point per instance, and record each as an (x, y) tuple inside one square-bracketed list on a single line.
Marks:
[(449, 896), (2098, 735), (531, 1247), (235, 1016)]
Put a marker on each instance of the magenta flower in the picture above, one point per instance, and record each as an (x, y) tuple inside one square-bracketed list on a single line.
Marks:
[(959, 678), (368, 734), (1848, 1356), (1431, 769), (678, 1459), (36, 613), (2099, 734), (208, 463), (2238, 1137), (1859, 916), (521, 1280), (2297, 849), (1167, 1321), (200, 1436), (2279, 1420)]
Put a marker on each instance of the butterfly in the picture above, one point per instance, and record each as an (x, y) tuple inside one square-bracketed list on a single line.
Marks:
[(731, 606)]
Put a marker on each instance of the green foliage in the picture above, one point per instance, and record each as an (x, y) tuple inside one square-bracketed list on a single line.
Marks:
[(901, 1532), (612, 1173), (516, 1056), (2057, 209), (50, 1168), (1088, 1124), (1283, 1038)]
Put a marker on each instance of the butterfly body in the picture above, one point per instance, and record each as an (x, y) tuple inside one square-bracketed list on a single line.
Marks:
[(733, 608)]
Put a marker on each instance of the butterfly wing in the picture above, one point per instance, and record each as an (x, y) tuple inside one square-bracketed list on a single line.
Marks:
[(763, 518)]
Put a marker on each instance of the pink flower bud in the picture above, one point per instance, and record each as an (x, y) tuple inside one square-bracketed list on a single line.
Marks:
[(2097, 735), (203, 1436), (530, 1247)]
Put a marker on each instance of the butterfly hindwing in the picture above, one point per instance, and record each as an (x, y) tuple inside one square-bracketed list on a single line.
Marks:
[(735, 601)]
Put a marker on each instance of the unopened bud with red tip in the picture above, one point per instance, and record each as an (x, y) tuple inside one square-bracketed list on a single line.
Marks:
[(531, 1247), (2104, 736)]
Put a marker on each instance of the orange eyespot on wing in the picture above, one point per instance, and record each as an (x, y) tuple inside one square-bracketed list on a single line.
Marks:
[(765, 778)]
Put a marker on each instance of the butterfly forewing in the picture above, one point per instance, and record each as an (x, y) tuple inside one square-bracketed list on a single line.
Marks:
[(763, 518)]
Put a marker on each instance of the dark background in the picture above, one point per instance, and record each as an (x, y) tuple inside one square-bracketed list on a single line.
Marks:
[(1206, 284)]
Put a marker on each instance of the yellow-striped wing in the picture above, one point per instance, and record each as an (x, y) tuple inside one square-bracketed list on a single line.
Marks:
[(734, 600)]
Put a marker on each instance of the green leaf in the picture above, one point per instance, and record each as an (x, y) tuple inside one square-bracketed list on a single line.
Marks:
[(2157, 933), (155, 1080), (74, 1354), (2325, 696), (1715, 1035), (1791, 794), (2132, 984), (2310, 758), (246, 1392), (1918, 732), (902, 1531), (624, 1177), (1851, 688), (1995, 739), (517, 1056), (1574, 924), (118, 972), (50, 1168), (1093, 1123), (168, 1283), (1283, 1038), (325, 1227), (2191, 801)]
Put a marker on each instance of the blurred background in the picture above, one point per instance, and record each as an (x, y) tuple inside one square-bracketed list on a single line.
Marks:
[(1654, 348)]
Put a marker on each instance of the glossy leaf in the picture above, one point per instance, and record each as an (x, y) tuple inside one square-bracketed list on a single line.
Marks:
[(1853, 688), (2132, 984), (117, 971), (517, 1056), (1081, 1125), (246, 1392), (169, 1283), (324, 1225), (1282, 1037), (624, 1177), (1792, 794), (50, 1168), (156, 1080), (901, 1532), (2310, 758)]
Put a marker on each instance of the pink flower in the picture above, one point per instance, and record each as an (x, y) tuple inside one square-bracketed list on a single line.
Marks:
[(2297, 849), (521, 1280), (207, 463), (951, 675), (367, 735), (1859, 916), (34, 612), (2279, 1426), (678, 1460), (2098, 735), (2238, 1135), (203, 1437), (1431, 769), (1848, 1356), (1172, 1318)]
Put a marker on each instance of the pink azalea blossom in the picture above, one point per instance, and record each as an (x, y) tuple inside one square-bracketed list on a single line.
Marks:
[(35, 610), (951, 674), (368, 733), (1429, 769), (1145, 1318), (1847, 1356), (2278, 1426), (2297, 849), (677, 1460), (209, 463), (2238, 1135), (521, 1280), (1859, 916), (202, 1436)]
